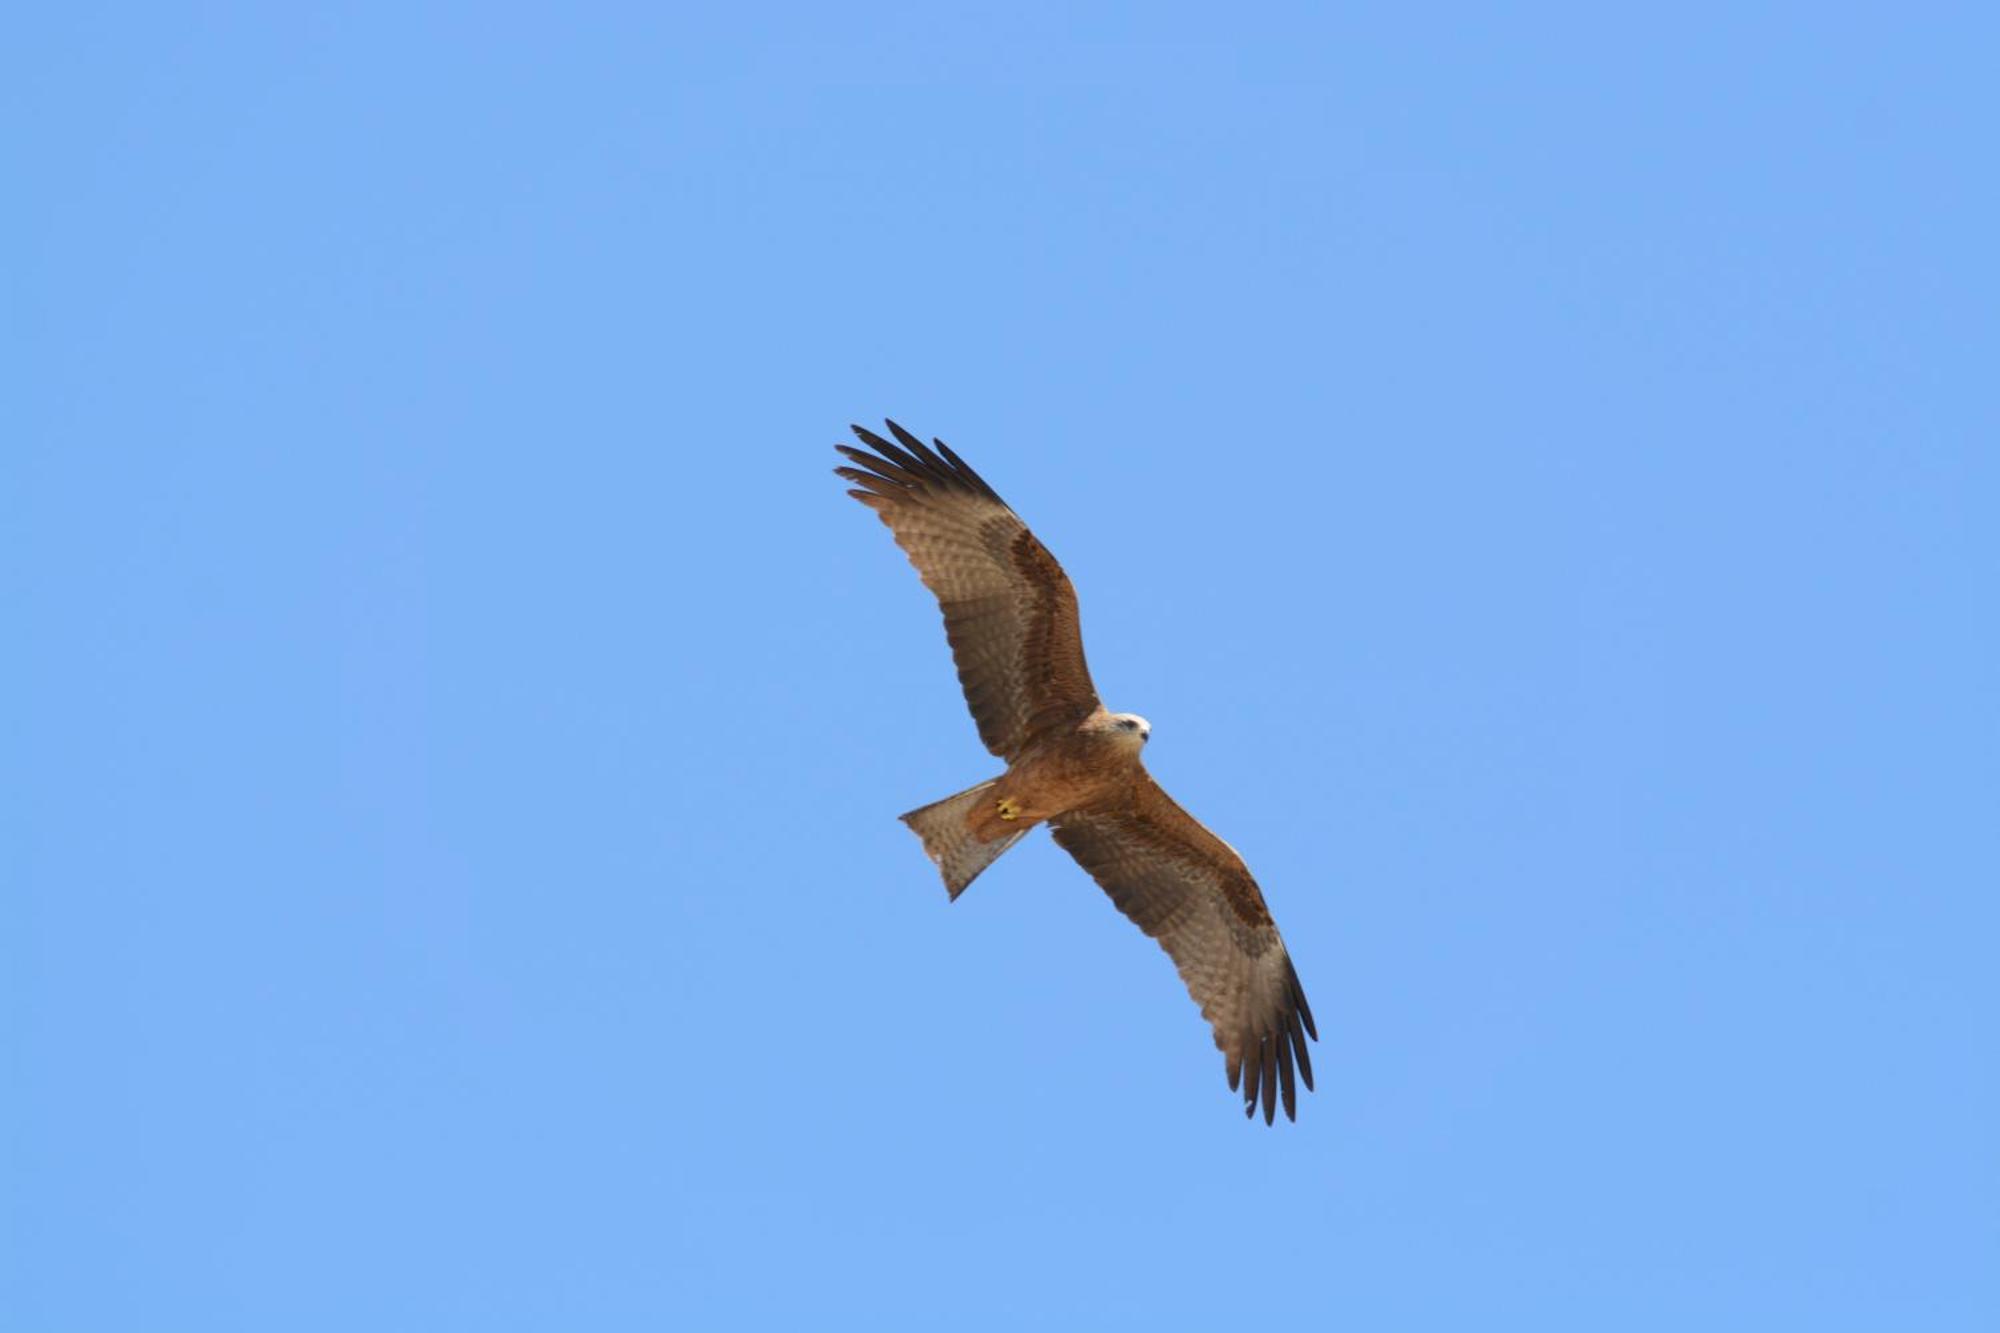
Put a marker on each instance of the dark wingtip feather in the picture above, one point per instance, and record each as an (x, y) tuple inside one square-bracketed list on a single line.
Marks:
[(881, 467), (913, 466), (1286, 1086), (1299, 998), (1299, 1048), (907, 440), (878, 485), (930, 456), (971, 476)]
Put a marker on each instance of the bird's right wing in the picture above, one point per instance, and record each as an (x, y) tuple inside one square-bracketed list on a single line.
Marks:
[(1189, 890)]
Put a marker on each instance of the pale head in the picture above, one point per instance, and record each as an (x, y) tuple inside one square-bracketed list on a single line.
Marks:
[(1129, 727)]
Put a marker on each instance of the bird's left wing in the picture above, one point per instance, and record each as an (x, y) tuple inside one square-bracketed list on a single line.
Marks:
[(1189, 890), (1009, 609)]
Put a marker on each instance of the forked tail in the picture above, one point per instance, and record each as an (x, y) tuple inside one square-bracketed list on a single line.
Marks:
[(948, 840)]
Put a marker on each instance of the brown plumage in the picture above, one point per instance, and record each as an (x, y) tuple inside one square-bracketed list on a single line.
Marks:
[(1011, 617)]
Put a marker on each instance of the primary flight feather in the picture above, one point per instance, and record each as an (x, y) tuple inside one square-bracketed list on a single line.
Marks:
[(1011, 617)]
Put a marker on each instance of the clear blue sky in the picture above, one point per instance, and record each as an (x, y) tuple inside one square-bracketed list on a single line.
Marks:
[(1538, 473)]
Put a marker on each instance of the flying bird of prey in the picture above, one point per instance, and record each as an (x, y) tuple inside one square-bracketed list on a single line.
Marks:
[(1010, 614)]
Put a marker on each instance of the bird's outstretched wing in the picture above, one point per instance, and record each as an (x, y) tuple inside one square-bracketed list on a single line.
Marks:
[(1189, 890), (1009, 609)]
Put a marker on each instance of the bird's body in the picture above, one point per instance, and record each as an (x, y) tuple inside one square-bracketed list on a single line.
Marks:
[(1011, 616), (1095, 763)]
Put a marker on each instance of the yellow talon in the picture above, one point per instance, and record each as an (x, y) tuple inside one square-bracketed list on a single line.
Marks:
[(1009, 808)]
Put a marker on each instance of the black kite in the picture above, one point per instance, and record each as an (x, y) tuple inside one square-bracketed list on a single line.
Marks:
[(1010, 614)]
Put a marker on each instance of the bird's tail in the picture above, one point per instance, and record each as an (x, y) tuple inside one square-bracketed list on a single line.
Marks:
[(946, 828)]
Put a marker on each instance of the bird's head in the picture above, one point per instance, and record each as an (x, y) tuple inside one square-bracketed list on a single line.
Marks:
[(1130, 727)]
